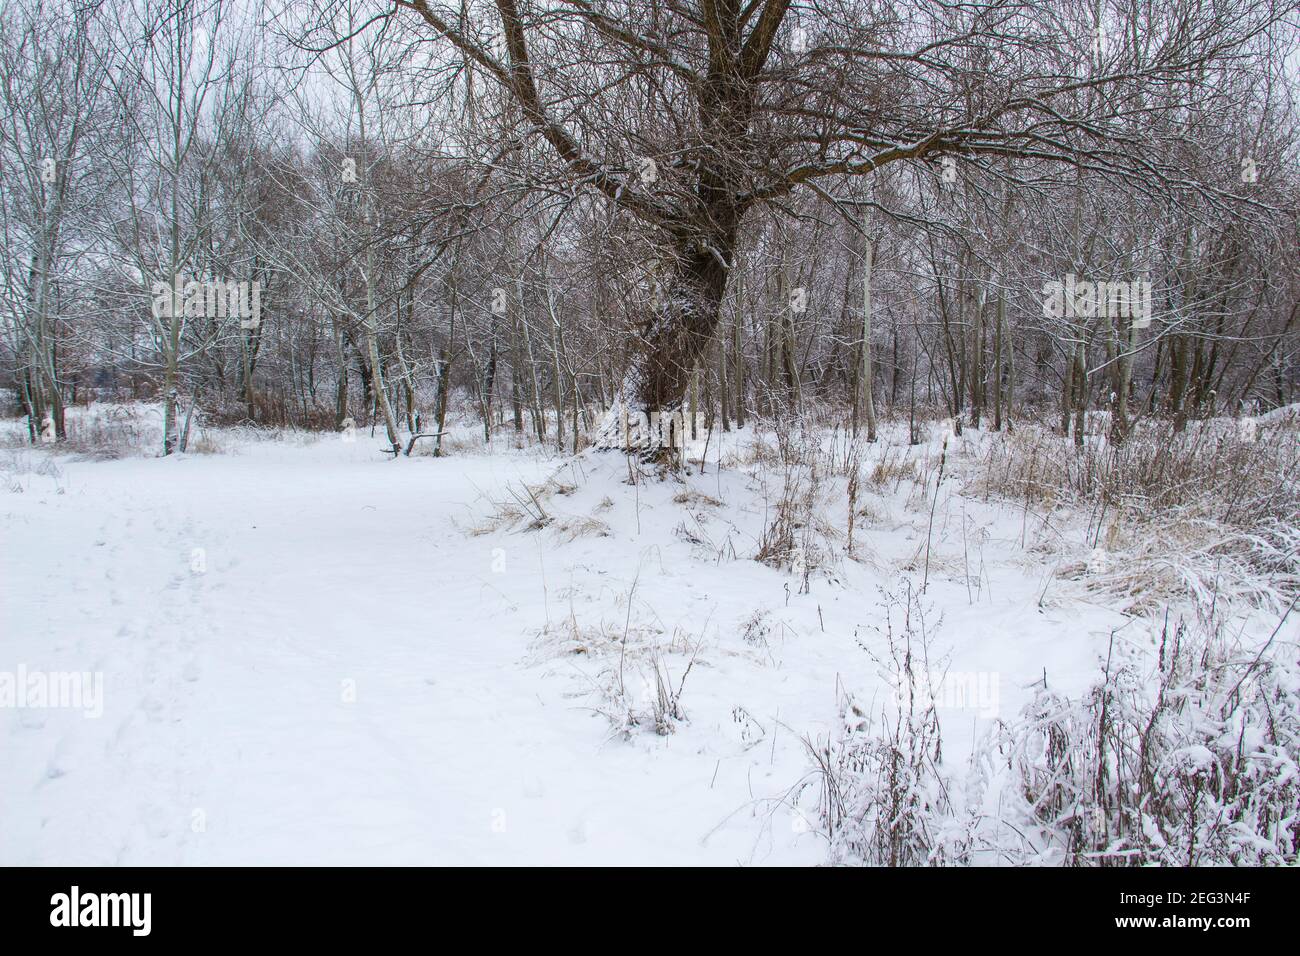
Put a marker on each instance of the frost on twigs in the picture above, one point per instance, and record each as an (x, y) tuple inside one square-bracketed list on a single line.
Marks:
[(1188, 759), (1197, 764), (884, 798)]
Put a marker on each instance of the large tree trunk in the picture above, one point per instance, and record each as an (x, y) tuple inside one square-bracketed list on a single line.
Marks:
[(670, 342)]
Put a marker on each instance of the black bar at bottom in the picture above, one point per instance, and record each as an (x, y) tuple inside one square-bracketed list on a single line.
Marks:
[(335, 906)]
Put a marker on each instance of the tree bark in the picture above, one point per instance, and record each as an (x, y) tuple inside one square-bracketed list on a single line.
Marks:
[(866, 398), (669, 344)]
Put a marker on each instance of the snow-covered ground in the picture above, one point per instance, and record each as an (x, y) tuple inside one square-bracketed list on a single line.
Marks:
[(312, 654)]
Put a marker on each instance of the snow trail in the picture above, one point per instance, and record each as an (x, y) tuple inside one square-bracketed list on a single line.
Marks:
[(305, 662)]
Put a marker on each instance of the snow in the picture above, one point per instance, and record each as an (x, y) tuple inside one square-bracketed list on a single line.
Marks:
[(310, 657)]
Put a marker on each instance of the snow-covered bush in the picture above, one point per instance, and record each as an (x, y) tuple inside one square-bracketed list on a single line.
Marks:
[(1195, 765), (1188, 756), (107, 431), (884, 799), (1205, 514), (797, 534)]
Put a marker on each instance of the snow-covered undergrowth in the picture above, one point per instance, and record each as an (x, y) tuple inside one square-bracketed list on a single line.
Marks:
[(1181, 746), (1189, 755), (1211, 511), (108, 431), (1186, 756), (1188, 759), (802, 648), (103, 431), (1192, 760)]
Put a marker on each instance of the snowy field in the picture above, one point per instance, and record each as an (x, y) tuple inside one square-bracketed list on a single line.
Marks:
[(313, 654)]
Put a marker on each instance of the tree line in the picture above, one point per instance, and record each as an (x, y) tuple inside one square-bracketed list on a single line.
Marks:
[(552, 216)]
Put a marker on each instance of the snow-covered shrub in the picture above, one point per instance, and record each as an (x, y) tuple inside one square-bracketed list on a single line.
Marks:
[(757, 628), (17, 465), (1190, 759), (1195, 765), (643, 694), (1206, 513), (113, 431), (884, 799), (632, 673), (892, 468), (522, 506), (796, 535)]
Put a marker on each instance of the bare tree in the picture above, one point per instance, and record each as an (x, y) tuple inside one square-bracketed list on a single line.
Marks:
[(729, 106)]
